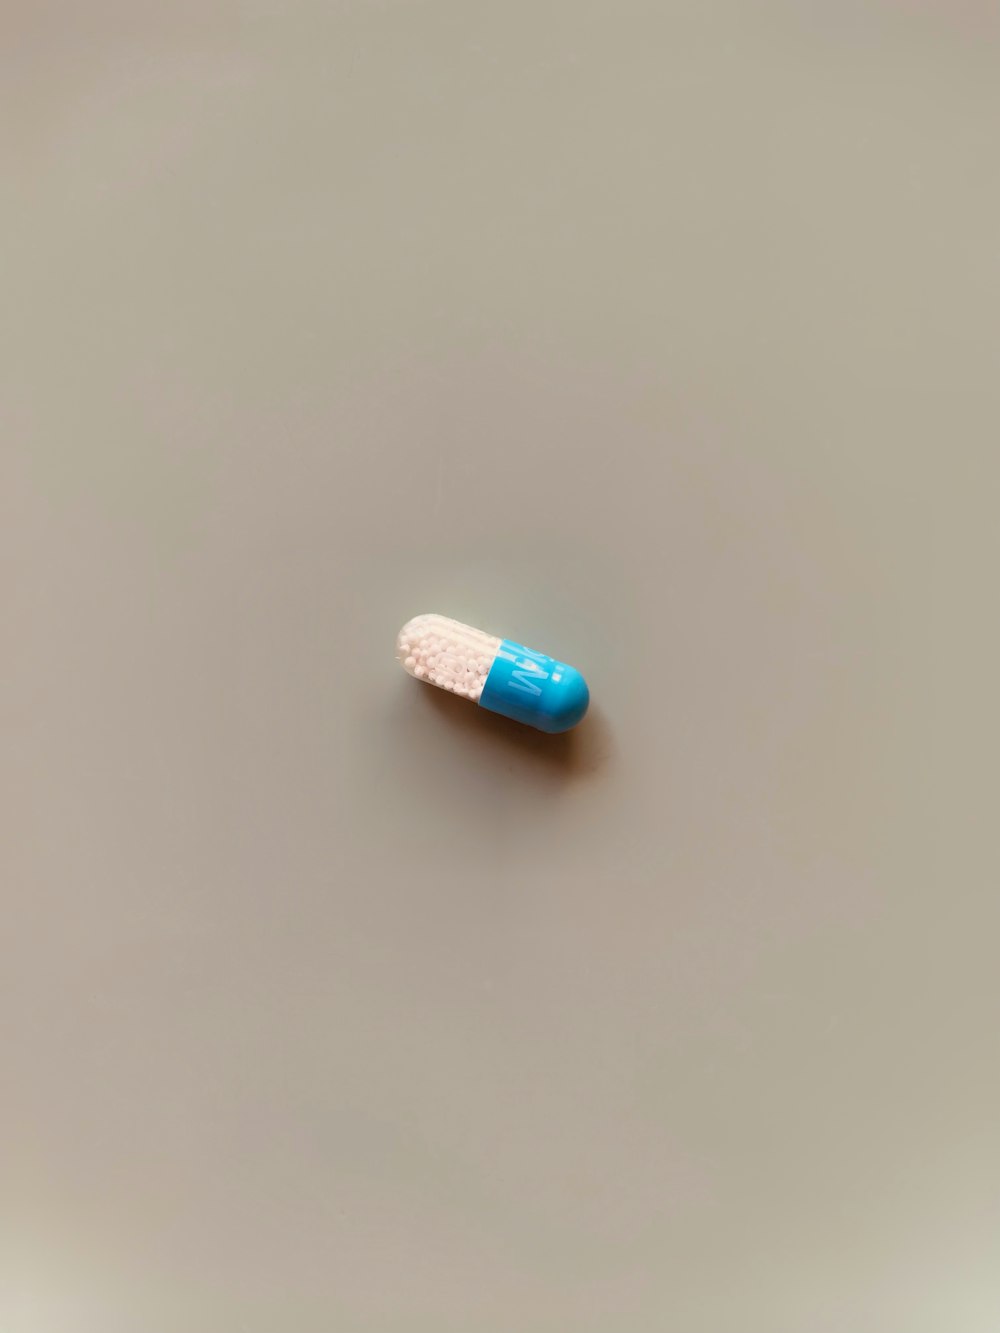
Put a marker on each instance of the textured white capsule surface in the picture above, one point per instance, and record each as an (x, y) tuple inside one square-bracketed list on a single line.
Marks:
[(448, 654)]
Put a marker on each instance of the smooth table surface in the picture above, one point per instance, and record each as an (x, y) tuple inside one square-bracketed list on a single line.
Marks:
[(661, 337)]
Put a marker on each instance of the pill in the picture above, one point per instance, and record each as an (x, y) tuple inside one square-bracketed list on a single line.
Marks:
[(497, 674)]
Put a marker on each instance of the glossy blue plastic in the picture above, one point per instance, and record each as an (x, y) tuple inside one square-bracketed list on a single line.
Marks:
[(535, 689)]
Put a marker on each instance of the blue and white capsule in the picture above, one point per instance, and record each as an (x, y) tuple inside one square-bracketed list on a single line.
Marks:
[(497, 674)]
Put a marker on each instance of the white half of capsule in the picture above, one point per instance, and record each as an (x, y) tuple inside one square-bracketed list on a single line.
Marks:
[(448, 654)]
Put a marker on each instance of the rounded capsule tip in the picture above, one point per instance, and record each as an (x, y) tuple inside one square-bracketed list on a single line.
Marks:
[(568, 699)]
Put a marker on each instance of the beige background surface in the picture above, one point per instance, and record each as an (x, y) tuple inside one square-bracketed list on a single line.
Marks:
[(659, 336)]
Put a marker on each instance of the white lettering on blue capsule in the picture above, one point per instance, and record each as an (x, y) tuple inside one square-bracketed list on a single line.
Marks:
[(519, 679)]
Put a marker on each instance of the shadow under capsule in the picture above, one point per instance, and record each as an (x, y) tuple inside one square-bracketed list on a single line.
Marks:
[(571, 755)]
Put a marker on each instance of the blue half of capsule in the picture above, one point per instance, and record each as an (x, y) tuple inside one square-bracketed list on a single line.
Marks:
[(534, 689)]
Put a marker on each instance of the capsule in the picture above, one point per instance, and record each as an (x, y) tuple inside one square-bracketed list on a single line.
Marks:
[(497, 674)]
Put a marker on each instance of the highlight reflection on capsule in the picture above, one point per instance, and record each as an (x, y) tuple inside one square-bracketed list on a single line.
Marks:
[(497, 674)]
